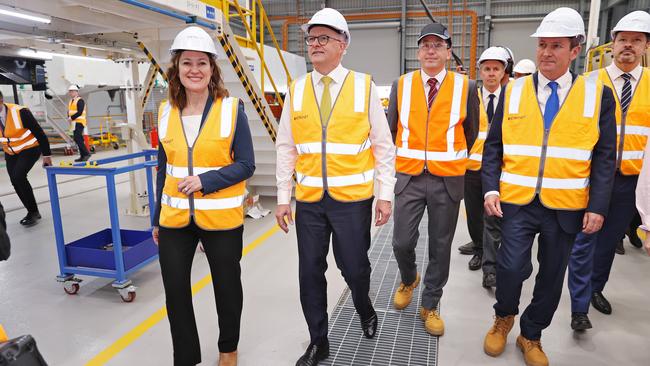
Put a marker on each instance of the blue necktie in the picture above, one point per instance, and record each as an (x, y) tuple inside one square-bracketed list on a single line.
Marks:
[(552, 105)]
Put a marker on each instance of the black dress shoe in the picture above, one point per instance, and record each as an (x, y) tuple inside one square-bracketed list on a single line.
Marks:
[(369, 326), (600, 303), (466, 249), (634, 239), (580, 321), (31, 219), (314, 354), (489, 280), (476, 262), (619, 247)]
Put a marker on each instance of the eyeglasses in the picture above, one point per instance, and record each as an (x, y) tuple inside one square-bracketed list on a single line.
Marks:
[(322, 40), (438, 46)]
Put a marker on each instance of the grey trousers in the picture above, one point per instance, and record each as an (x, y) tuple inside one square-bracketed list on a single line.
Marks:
[(491, 242), (422, 191)]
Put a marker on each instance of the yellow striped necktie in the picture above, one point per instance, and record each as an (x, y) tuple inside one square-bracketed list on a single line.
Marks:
[(325, 100)]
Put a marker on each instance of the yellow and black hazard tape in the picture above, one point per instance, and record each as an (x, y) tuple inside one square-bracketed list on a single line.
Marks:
[(149, 88), (152, 60), (257, 102)]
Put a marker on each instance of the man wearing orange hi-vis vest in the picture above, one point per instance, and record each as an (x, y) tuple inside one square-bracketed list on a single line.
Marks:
[(593, 255), (333, 133), (433, 114), (548, 169)]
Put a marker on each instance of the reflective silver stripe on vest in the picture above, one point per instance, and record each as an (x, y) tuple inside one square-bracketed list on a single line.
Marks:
[(405, 108), (14, 114), (590, 95), (23, 145), (476, 157), (632, 155), (202, 203), (432, 155), (482, 135), (340, 181), (298, 91), (515, 95), (182, 172), (164, 121), (359, 92), (551, 183), (333, 148), (551, 152), (24, 135), (634, 130), (226, 116), (454, 116)]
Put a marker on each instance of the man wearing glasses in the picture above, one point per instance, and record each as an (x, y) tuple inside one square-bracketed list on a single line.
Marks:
[(433, 115), (333, 133)]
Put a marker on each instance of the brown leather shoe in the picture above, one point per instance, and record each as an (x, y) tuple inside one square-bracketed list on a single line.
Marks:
[(497, 336), (533, 353), (404, 294), (227, 359), (433, 324)]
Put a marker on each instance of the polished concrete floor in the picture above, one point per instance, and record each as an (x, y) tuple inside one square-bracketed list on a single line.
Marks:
[(95, 327)]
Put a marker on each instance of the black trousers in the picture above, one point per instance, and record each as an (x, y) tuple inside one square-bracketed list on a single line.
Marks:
[(79, 139), (18, 166), (474, 208), (223, 250), (348, 224)]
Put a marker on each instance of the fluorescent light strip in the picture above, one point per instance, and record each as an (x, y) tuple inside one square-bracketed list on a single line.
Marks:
[(17, 14), (49, 55)]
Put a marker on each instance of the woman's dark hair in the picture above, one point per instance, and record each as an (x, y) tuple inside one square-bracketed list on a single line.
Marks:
[(177, 96)]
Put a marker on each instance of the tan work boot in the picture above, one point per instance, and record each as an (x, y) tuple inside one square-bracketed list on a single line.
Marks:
[(404, 294), (228, 359), (533, 353), (432, 322), (497, 336)]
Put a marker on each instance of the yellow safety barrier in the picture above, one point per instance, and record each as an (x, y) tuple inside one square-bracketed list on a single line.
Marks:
[(3, 334)]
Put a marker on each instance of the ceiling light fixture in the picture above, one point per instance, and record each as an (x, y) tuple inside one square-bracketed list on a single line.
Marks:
[(13, 12)]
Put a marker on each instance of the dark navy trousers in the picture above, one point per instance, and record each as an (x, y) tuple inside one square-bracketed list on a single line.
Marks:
[(347, 224), (520, 225)]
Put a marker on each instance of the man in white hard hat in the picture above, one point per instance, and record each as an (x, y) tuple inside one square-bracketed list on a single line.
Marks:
[(77, 119), (433, 116), (486, 236), (548, 169), (333, 133), (593, 255), (523, 68)]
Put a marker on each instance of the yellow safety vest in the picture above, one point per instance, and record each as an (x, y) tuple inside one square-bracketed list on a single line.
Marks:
[(633, 128), (476, 153), (15, 137), (556, 164), (333, 155), (433, 136), (221, 210), (72, 110)]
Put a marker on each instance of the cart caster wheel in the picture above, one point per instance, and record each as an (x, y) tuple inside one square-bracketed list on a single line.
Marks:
[(129, 297), (71, 288), (116, 146), (92, 149)]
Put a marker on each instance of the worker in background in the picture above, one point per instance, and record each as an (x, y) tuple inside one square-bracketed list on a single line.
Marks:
[(643, 198), (632, 236), (23, 141), (434, 118), (593, 254), (333, 133), (548, 169), (5, 244), (484, 230), (77, 120), (204, 158), (523, 68)]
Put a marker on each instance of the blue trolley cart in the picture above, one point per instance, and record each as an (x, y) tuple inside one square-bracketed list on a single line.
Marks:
[(112, 252)]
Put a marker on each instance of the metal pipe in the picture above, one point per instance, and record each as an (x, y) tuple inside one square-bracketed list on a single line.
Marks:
[(488, 23), (185, 18), (378, 25), (594, 16), (402, 41), (516, 20)]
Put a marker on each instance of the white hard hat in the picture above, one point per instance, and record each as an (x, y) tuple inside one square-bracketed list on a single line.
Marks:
[(525, 66), (194, 39), (331, 18), (636, 21), (494, 53), (73, 87), (562, 22)]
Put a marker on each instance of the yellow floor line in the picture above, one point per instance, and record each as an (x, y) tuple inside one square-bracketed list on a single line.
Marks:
[(111, 351)]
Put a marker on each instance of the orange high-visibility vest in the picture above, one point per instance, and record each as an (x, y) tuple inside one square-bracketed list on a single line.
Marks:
[(72, 110), (333, 155), (554, 163), (633, 128), (433, 136), (476, 153), (221, 210), (15, 137)]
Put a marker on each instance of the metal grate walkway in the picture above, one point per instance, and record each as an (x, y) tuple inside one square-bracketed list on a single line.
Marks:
[(401, 339)]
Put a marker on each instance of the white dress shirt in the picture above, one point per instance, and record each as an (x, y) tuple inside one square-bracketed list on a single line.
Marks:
[(615, 74), (486, 97), (383, 147), (191, 126), (643, 190), (425, 80)]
